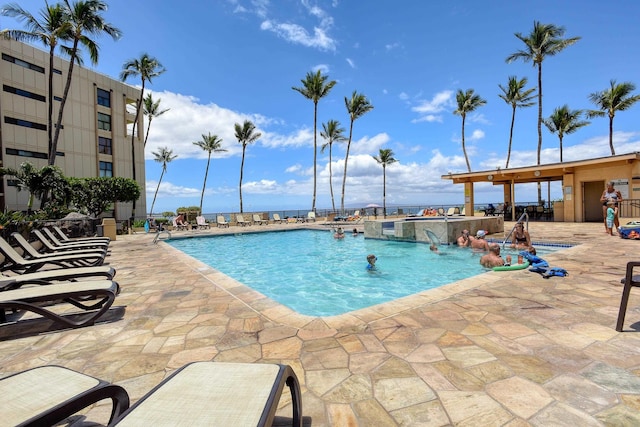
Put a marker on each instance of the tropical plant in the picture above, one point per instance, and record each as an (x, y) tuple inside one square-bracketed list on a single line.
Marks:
[(164, 156), (151, 109), (332, 132), (385, 157), (467, 102), (564, 121), (85, 19), (315, 87), (94, 195), (245, 134), (543, 41), (515, 95), (52, 28), (47, 182), (210, 144), (357, 107), (147, 68), (617, 97)]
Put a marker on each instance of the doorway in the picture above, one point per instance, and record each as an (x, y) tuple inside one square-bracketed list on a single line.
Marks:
[(592, 204)]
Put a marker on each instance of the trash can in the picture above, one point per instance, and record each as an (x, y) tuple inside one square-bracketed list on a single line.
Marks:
[(108, 228)]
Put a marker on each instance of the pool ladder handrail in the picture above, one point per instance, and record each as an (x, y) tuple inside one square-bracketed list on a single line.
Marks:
[(525, 215)]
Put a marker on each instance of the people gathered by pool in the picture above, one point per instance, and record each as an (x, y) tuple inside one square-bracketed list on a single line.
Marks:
[(493, 258), (371, 262), (464, 240), (479, 243), (521, 238)]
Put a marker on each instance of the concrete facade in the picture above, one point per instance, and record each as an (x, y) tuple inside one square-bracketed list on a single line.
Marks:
[(95, 139)]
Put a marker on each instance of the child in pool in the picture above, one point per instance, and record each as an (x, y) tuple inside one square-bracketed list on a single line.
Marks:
[(371, 260)]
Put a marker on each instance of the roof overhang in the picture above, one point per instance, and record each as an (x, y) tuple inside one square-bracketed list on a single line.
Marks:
[(539, 173)]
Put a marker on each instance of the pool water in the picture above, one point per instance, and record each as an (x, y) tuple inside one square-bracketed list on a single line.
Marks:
[(314, 274)]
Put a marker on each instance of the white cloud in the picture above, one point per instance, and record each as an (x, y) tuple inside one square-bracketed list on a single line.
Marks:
[(351, 63), (324, 68), (440, 102), (403, 96), (476, 135), (392, 46)]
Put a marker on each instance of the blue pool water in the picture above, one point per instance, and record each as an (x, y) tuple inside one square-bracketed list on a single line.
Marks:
[(314, 274)]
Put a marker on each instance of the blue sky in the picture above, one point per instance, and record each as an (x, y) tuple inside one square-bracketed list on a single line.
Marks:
[(228, 61)]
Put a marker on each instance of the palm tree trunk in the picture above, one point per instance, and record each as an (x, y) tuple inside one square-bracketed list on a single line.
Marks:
[(384, 190), (346, 161), (133, 145), (50, 106), (315, 153), (464, 149), (146, 136), (67, 86), (513, 120), (156, 194), (560, 137), (333, 203), (539, 123), (206, 172), (613, 152), (241, 168)]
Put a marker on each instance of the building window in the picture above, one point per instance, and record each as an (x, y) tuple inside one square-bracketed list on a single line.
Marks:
[(106, 169), (104, 145), (26, 153), (22, 63), (104, 97), (24, 93), (25, 123), (104, 121)]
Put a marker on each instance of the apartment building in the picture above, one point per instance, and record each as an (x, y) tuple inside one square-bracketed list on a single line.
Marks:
[(95, 137)]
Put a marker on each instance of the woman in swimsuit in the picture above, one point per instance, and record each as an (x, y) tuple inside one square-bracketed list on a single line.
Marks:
[(610, 195), (521, 238)]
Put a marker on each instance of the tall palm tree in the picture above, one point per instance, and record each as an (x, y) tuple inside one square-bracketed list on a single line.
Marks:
[(467, 102), (147, 68), (332, 132), (385, 157), (564, 121), (151, 109), (85, 19), (617, 97), (315, 87), (52, 28), (516, 96), (210, 144), (245, 135), (357, 107), (544, 40), (164, 156)]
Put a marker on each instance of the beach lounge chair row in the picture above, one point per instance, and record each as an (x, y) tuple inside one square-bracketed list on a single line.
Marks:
[(222, 222), (199, 393)]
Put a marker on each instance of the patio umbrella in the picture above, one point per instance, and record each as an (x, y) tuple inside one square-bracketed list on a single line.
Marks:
[(373, 205)]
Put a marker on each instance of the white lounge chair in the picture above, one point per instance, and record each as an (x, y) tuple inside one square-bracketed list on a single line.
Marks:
[(217, 393), (277, 219), (221, 221), (311, 217), (202, 223), (259, 221), (241, 221)]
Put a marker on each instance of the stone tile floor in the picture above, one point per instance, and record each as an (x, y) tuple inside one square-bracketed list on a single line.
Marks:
[(504, 348)]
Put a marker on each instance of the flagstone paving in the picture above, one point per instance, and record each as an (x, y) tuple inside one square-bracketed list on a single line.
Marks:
[(503, 348)]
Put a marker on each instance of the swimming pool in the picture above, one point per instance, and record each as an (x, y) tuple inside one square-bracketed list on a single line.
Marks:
[(314, 274)]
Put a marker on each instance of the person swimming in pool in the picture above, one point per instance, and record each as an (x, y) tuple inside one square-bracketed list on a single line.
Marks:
[(355, 232), (371, 260), (339, 234)]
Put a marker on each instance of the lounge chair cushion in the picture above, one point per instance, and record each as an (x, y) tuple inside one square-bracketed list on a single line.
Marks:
[(48, 394), (226, 394)]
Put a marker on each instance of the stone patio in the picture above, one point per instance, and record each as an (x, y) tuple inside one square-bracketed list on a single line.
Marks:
[(503, 348)]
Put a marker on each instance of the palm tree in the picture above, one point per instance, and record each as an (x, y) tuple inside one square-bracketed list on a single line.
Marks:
[(151, 109), (164, 156), (617, 98), (332, 132), (246, 135), (52, 28), (544, 40), (210, 144), (84, 19), (467, 102), (515, 95), (147, 68), (564, 121), (315, 87), (384, 158), (357, 107)]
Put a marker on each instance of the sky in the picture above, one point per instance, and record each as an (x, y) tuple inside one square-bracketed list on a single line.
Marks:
[(228, 61)]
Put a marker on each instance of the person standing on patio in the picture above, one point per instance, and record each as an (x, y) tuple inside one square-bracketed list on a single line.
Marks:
[(610, 194)]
